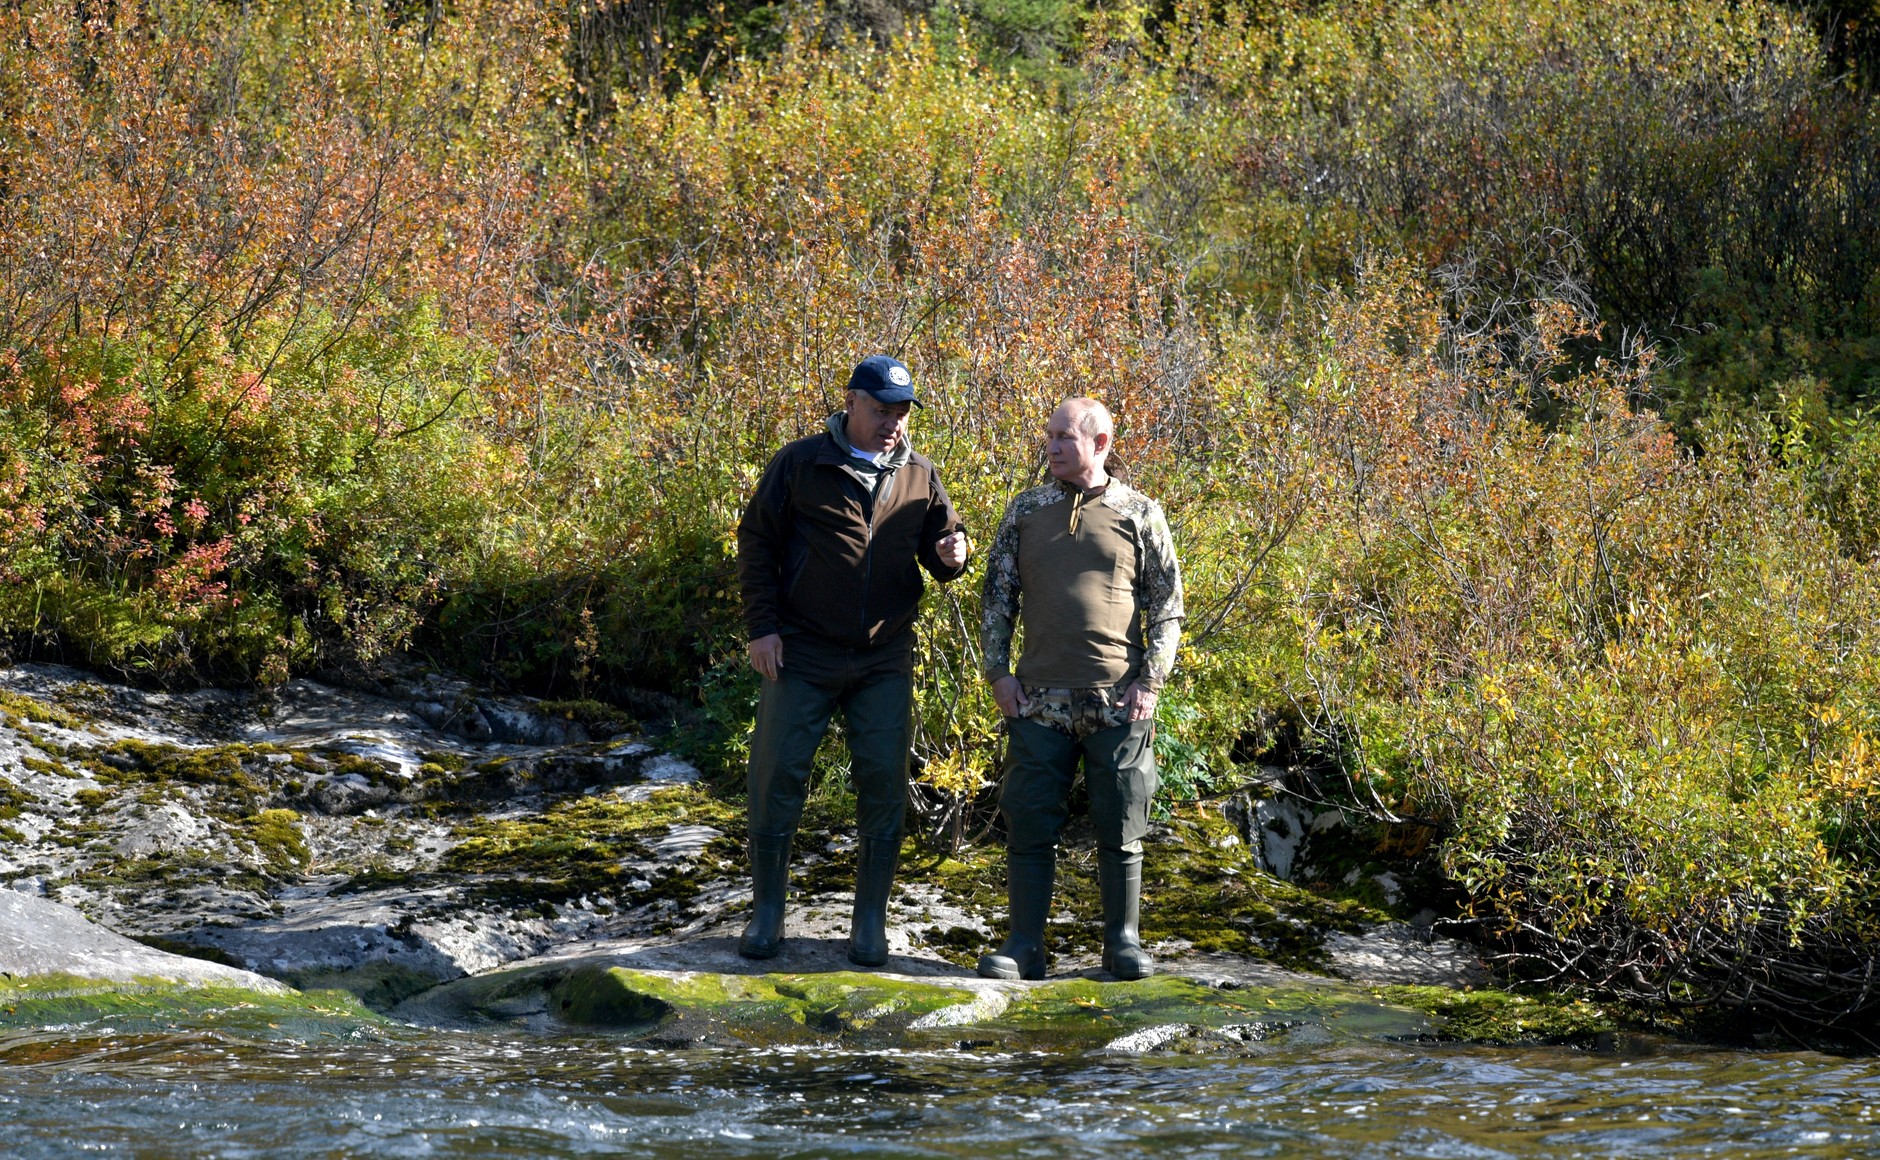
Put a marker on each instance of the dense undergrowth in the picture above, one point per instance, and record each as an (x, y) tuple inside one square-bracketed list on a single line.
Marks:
[(1503, 368)]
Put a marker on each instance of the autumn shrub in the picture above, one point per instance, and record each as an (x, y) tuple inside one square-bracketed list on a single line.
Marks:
[(245, 262), (1631, 687), (1839, 456), (1696, 168)]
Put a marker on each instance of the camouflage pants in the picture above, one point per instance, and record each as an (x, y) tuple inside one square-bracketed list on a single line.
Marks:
[(1076, 713), (1058, 731)]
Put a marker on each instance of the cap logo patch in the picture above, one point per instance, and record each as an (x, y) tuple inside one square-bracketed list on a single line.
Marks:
[(898, 376)]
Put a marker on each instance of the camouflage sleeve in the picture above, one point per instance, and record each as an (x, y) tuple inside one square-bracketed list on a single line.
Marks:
[(1159, 596), (999, 599)]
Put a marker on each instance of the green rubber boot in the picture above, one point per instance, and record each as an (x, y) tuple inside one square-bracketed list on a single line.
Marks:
[(874, 881), (1119, 877), (770, 882), (1029, 879)]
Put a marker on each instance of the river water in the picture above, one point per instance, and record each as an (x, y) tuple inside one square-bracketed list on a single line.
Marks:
[(149, 1093)]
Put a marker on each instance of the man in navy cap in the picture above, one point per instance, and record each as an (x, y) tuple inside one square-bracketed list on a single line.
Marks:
[(830, 552)]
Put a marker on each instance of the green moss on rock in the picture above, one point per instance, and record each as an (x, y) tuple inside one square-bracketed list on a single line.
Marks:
[(13, 799), (157, 1005), (379, 874), (873, 1009), (278, 838), (380, 984), (1075, 1012), (18, 706), (177, 872), (443, 760), (1501, 1017), (597, 997), (597, 717), (755, 1009), (344, 762), (839, 1002), (595, 845), (1202, 885), (93, 800), (52, 767), (130, 762)]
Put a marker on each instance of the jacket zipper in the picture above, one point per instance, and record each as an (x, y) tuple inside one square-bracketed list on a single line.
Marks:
[(869, 504), (868, 551), (868, 566)]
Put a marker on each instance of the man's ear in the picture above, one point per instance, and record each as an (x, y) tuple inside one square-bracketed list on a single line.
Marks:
[(1102, 440)]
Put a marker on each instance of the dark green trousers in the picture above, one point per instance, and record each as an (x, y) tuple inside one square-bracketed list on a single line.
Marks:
[(1041, 765), (792, 716)]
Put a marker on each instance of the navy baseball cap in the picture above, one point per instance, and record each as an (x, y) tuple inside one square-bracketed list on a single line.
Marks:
[(884, 378)]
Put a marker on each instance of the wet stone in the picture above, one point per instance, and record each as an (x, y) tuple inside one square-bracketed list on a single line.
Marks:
[(412, 841), (1195, 1039)]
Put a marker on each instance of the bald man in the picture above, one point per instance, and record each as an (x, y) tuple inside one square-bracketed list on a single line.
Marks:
[(1089, 565)]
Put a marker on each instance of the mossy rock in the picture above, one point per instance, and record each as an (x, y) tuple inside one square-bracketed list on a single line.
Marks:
[(762, 1008), (607, 997), (1501, 1017), (130, 761), (279, 840), (597, 717), (873, 1010), (380, 984), (155, 1005), (1084, 1013), (692, 1007), (14, 706), (596, 846), (14, 800)]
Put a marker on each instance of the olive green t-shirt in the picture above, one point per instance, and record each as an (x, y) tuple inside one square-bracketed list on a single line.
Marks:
[(1077, 567), (1094, 577)]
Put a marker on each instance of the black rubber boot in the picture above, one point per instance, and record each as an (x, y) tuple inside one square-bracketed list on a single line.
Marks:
[(874, 880), (1119, 877), (770, 881), (1029, 879)]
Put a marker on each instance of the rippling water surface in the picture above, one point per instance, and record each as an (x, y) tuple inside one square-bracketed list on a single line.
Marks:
[(96, 1090)]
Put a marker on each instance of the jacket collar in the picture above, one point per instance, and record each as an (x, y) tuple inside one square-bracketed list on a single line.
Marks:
[(837, 427)]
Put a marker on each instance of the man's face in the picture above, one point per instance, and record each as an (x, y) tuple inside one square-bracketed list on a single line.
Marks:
[(873, 426), (1075, 455)]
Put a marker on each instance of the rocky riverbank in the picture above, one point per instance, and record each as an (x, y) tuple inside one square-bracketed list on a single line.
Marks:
[(447, 855)]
